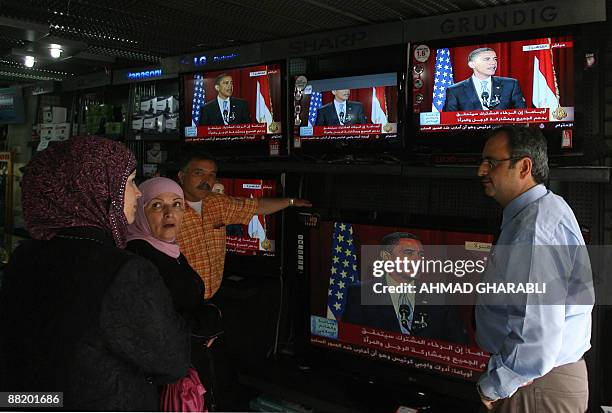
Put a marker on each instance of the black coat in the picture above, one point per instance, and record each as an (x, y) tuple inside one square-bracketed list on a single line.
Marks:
[(463, 96), (438, 322), (210, 114), (81, 316), (186, 288), (327, 116)]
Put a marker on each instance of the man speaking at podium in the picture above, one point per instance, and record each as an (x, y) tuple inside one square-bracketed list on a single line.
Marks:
[(225, 109), (341, 111), (483, 91)]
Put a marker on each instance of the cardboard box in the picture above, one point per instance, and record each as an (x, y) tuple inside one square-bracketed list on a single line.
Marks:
[(150, 124), (172, 122), (46, 130), (160, 105), (145, 105), (167, 104), (54, 114), (137, 124), (61, 131)]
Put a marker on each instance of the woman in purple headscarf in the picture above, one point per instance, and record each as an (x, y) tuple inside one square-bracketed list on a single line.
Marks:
[(153, 236), (78, 313)]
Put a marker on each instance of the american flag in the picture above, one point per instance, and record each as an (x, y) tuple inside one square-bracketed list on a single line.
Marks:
[(199, 95), (343, 271), (316, 101), (443, 79)]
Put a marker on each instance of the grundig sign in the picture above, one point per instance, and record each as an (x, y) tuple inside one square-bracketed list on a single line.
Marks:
[(498, 20)]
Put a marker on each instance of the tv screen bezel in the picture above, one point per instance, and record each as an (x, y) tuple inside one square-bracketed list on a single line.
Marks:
[(342, 68), (423, 146), (257, 265), (238, 148), (370, 370)]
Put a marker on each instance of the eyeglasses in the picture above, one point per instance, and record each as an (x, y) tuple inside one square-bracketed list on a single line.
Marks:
[(492, 163)]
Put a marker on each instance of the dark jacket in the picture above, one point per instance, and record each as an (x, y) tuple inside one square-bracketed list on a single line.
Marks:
[(505, 90), (186, 288), (81, 316), (327, 116), (210, 114), (438, 322)]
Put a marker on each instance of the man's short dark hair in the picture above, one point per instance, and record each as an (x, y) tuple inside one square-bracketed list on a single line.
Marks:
[(527, 142), (392, 239), (478, 51), (189, 154), (220, 77)]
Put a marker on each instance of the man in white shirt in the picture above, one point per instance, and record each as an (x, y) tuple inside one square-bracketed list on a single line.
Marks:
[(483, 90)]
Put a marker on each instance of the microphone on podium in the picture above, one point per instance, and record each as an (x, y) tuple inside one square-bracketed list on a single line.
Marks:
[(485, 99)]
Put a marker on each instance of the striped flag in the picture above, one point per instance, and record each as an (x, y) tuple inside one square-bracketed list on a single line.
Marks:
[(199, 96), (443, 79), (379, 106), (263, 104), (343, 270), (316, 101), (545, 91)]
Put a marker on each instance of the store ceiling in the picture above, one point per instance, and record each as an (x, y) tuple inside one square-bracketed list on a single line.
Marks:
[(105, 34)]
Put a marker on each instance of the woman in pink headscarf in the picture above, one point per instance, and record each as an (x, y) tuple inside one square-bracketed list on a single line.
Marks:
[(78, 313), (153, 236)]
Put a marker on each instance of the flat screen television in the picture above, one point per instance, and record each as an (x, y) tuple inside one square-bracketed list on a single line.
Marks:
[(368, 350), (234, 105), (253, 249), (258, 237), (525, 82), (370, 125), (462, 89), (334, 270), (349, 108)]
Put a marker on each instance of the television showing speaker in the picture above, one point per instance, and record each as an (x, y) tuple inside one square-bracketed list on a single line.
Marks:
[(355, 312), (240, 104), (348, 108), (258, 237), (472, 87)]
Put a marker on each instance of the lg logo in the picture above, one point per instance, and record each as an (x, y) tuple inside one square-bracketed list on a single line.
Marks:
[(199, 60)]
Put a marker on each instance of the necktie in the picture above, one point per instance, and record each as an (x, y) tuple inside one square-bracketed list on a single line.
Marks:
[(484, 86), (405, 313), (342, 112), (225, 112)]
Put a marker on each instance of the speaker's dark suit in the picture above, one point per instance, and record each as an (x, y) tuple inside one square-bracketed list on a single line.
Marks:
[(436, 322), (463, 95), (210, 114), (327, 116)]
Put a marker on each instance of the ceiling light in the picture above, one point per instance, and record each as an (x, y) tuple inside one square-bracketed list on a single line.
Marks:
[(55, 50), (29, 61)]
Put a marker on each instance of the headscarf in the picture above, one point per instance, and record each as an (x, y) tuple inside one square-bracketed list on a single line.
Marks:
[(76, 183), (140, 228)]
